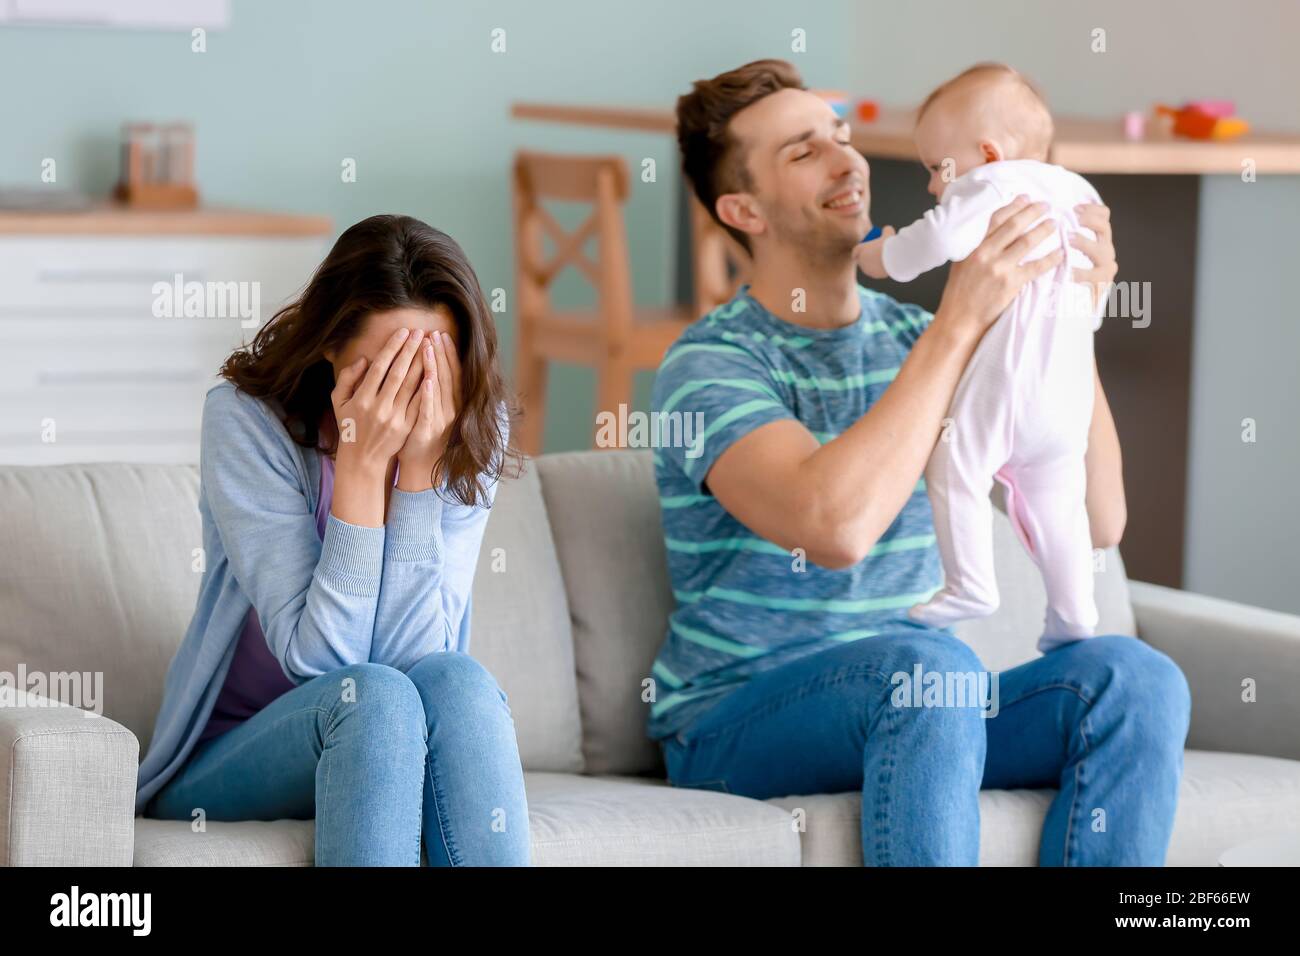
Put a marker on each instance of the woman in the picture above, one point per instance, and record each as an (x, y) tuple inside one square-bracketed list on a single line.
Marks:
[(348, 463)]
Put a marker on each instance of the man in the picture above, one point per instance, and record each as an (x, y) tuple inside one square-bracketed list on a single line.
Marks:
[(799, 532)]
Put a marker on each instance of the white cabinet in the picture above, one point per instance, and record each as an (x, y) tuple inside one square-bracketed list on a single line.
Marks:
[(86, 362)]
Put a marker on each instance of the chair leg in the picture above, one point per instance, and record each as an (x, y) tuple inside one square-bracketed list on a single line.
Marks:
[(614, 380), (531, 380)]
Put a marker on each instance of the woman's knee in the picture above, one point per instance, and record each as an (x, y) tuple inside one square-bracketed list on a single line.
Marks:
[(455, 680), (378, 694)]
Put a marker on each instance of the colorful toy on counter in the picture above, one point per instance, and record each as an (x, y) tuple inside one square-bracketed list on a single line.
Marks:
[(838, 100), (863, 109), (1221, 109), (868, 111), (1205, 119), (1135, 125)]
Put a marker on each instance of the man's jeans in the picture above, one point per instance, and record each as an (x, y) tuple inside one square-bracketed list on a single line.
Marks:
[(379, 758), (1103, 720)]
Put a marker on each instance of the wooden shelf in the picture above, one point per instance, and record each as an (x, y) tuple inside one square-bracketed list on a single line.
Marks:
[(1083, 145), (117, 219)]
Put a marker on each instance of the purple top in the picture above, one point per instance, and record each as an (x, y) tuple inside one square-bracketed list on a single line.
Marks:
[(255, 678)]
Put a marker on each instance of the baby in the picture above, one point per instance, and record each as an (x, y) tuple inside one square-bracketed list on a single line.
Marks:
[(1022, 408)]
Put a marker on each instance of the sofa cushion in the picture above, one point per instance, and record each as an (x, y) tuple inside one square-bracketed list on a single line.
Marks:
[(574, 821), (520, 626), (223, 843), (1228, 799), (1225, 799), (1010, 821), (604, 511), (640, 821), (97, 575)]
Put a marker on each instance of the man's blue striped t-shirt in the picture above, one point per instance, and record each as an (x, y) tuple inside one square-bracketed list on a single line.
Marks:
[(745, 605)]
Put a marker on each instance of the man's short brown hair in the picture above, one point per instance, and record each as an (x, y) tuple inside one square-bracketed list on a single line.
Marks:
[(712, 161)]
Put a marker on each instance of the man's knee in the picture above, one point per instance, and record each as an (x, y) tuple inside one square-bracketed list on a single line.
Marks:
[(934, 650), (1145, 682)]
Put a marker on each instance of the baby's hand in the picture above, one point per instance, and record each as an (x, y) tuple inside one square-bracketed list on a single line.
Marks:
[(870, 255)]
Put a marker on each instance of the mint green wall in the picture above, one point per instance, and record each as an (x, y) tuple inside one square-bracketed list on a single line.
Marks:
[(413, 92)]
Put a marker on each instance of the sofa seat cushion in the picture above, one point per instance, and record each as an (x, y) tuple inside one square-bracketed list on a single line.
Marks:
[(251, 843), (1226, 799), (642, 821), (575, 821)]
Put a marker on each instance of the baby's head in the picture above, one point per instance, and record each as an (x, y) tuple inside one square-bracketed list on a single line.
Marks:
[(984, 114)]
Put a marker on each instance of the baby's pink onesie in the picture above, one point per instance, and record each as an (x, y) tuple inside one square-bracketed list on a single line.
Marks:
[(1021, 410)]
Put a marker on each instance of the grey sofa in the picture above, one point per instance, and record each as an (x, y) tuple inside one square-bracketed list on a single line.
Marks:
[(97, 575)]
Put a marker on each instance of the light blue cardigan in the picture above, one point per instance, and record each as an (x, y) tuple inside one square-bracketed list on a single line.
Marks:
[(389, 595)]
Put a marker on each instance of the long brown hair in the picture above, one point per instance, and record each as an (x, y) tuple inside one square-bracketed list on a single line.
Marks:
[(380, 264)]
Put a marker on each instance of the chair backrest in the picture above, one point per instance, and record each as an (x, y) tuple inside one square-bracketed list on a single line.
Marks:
[(601, 181)]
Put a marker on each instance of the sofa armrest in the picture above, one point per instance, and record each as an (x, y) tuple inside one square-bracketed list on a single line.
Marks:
[(1219, 644), (69, 781)]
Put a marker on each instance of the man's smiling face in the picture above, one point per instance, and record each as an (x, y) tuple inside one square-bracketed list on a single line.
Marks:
[(810, 186)]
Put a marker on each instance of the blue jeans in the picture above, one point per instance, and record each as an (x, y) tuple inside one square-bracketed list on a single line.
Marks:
[(1102, 719), (379, 758)]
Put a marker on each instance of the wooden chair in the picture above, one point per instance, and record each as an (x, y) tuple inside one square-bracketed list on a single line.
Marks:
[(617, 338)]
